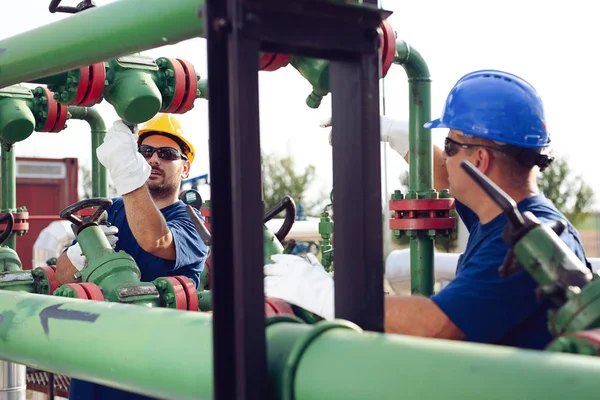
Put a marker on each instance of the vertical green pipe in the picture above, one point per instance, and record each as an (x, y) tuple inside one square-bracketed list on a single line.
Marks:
[(420, 163), (98, 129), (9, 192), (98, 34)]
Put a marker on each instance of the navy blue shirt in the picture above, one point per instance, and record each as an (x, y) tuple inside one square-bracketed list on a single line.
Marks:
[(495, 310), (190, 253)]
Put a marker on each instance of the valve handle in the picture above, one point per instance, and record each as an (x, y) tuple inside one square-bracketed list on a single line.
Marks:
[(10, 221), (287, 204), (100, 202), (503, 200), (192, 198), (84, 5)]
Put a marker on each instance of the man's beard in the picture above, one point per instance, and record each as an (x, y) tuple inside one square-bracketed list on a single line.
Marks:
[(162, 190)]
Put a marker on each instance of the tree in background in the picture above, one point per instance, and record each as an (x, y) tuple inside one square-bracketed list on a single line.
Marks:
[(281, 178), (569, 192)]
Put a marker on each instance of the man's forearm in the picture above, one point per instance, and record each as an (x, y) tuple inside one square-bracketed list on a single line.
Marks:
[(147, 224), (418, 316)]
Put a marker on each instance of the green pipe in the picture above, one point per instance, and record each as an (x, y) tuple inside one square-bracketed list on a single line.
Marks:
[(98, 129), (98, 34), (123, 346), (9, 186), (162, 353), (420, 163), (332, 361), (58, 79)]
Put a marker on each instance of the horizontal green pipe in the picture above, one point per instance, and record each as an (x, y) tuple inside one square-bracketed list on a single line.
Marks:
[(167, 354), (157, 352), (342, 364), (98, 130), (96, 35)]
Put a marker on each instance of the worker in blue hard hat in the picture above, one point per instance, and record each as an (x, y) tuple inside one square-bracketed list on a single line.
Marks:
[(496, 121), (148, 221)]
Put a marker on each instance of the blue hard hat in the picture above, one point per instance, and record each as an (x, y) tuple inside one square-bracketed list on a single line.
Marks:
[(498, 106)]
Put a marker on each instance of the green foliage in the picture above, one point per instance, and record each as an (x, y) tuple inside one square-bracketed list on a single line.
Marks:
[(569, 192), (281, 178), (85, 177)]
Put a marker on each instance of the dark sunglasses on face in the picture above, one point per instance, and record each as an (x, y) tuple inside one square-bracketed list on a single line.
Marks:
[(451, 147), (164, 153)]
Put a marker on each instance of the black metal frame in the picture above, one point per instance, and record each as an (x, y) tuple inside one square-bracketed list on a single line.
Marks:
[(236, 31)]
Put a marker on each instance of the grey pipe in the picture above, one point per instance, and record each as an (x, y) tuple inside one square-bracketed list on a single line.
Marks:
[(13, 384)]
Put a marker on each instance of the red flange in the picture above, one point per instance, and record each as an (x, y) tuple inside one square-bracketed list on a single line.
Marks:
[(388, 46), (274, 306), (61, 119), (52, 111), (190, 292), (180, 293), (273, 61), (96, 85), (422, 204), (20, 221), (93, 291), (82, 86), (79, 290), (191, 87), (180, 84), (50, 272), (422, 214)]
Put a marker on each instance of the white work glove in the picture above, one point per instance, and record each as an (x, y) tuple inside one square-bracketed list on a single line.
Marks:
[(393, 131), (119, 154), (301, 281), (75, 254)]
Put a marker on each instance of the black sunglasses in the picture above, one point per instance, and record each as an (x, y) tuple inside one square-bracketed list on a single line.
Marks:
[(451, 147), (164, 153)]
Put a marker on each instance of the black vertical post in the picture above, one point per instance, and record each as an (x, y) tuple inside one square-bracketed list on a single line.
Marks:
[(357, 190), (224, 354), (239, 355), (247, 235)]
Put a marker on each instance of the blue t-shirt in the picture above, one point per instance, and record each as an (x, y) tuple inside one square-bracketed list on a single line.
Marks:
[(191, 253), (495, 310)]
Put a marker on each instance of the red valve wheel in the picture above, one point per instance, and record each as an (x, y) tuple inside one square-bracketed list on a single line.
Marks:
[(96, 86), (92, 291), (190, 292), (388, 46), (82, 87), (191, 87), (180, 85), (52, 111), (50, 272), (180, 294)]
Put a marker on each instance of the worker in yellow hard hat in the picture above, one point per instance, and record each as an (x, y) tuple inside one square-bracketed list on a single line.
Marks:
[(149, 221)]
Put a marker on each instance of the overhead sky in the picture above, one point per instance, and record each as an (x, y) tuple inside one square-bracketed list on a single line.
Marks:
[(550, 44)]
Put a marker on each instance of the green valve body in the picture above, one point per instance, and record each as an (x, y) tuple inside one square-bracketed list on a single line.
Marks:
[(17, 121), (316, 72), (115, 272), (132, 89), (271, 245)]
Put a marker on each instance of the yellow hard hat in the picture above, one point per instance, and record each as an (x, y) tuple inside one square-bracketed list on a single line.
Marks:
[(169, 125)]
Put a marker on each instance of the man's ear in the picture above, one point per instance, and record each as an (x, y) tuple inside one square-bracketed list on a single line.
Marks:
[(185, 172), (482, 160)]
